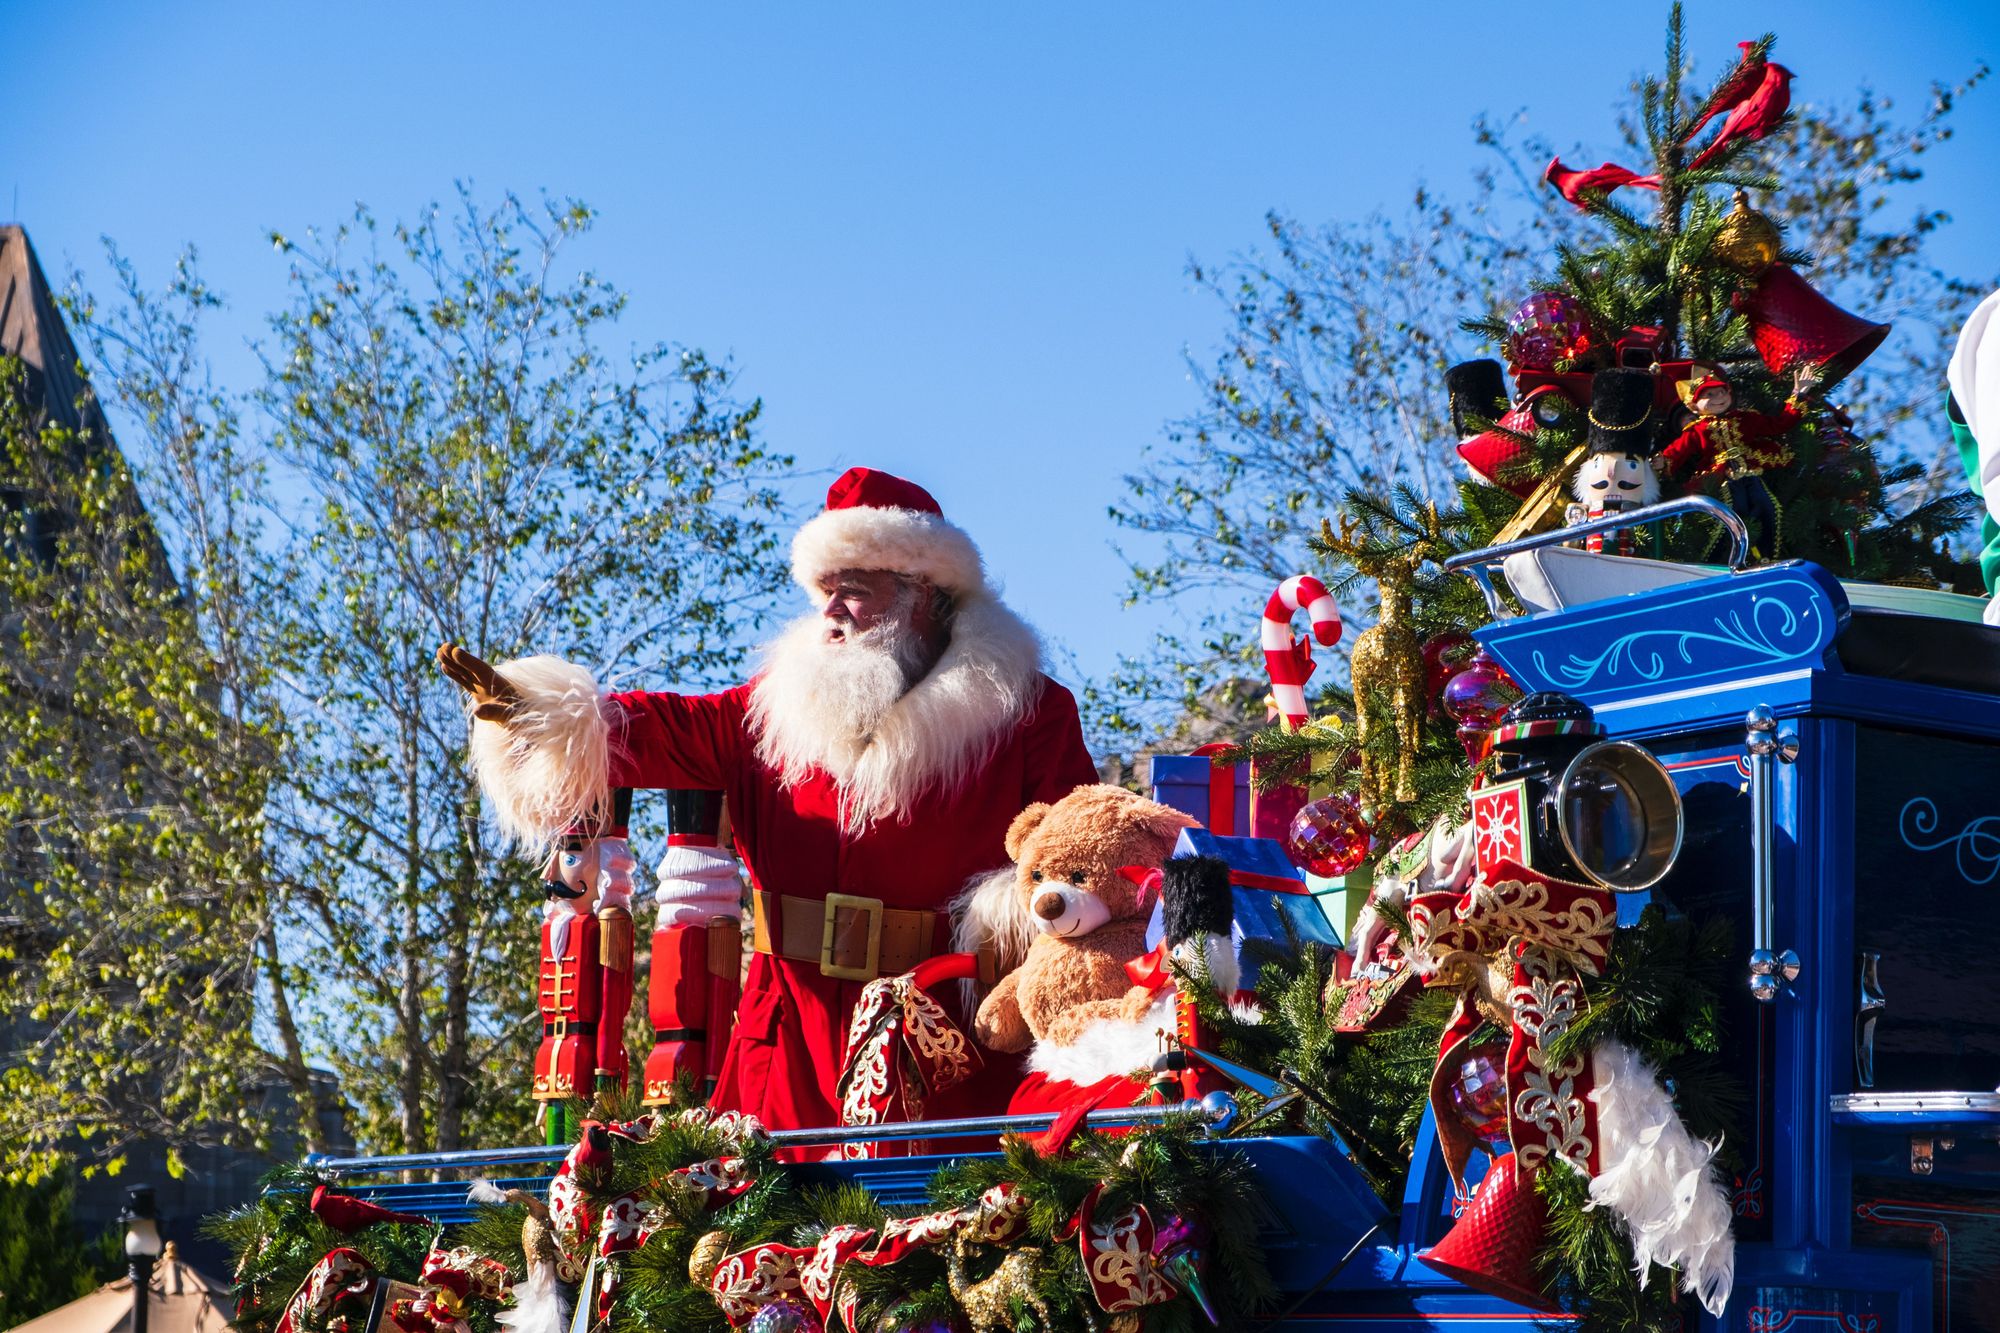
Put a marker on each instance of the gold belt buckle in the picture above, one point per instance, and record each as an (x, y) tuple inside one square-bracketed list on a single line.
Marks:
[(559, 1028), (871, 968)]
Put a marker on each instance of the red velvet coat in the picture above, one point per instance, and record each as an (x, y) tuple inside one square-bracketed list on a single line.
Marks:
[(791, 1028)]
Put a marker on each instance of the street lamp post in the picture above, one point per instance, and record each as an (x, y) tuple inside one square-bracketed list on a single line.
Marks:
[(142, 1246)]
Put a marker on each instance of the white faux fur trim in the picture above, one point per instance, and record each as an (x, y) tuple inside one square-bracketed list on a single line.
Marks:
[(1108, 1046), (902, 541), (939, 734), (987, 913), (1657, 1180), (548, 768)]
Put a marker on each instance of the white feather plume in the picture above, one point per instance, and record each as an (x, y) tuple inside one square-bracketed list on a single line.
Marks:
[(485, 1191), (1657, 1179), (538, 1305)]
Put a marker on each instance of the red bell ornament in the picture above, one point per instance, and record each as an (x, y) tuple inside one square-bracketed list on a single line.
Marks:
[(1492, 1248), (1794, 326), (1328, 837)]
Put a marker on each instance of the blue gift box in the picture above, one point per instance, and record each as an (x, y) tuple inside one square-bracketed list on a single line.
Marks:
[(1182, 781), (1270, 895)]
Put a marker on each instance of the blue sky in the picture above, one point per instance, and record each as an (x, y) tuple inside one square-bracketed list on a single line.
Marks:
[(948, 240)]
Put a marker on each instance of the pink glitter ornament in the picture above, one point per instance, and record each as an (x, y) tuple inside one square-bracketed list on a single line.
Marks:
[(1479, 1092), (1546, 329), (1328, 837), (1475, 697)]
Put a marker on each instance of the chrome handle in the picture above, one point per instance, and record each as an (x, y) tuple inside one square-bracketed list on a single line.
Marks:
[(1477, 563), (1869, 1002), (1766, 746)]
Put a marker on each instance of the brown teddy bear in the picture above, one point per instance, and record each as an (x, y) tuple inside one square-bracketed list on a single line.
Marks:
[(1071, 998)]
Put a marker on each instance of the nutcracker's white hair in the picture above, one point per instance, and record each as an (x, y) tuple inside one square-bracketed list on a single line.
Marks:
[(837, 708), (548, 769)]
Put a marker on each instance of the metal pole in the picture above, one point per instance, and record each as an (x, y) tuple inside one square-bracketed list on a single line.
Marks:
[(141, 1270), (1218, 1109)]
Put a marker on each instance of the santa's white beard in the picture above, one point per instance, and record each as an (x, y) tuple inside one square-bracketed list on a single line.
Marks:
[(819, 703)]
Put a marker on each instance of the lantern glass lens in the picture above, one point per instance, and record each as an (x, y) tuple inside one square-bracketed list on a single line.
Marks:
[(1620, 816)]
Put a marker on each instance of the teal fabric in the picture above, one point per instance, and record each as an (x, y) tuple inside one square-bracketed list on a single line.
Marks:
[(1989, 531)]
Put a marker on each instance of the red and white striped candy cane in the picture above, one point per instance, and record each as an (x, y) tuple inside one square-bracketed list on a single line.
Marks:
[(1289, 658)]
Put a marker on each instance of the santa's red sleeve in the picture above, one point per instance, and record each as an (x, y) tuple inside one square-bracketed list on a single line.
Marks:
[(1057, 760), (677, 740), (551, 767)]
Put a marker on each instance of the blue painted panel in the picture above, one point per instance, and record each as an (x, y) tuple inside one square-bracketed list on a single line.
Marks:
[(1683, 637)]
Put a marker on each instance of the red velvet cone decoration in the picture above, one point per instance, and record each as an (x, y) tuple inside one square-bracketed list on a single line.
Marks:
[(347, 1214), (1794, 326), (1492, 1248)]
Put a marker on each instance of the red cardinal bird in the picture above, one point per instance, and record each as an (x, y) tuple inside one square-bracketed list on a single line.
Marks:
[(1756, 115), (1742, 81), (1571, 184), (347, 1214)]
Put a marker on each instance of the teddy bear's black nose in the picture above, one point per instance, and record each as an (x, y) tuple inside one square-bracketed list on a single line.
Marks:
[(1048, 906)]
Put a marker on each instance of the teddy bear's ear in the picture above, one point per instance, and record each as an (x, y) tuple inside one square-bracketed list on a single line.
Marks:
[(1024, 824)]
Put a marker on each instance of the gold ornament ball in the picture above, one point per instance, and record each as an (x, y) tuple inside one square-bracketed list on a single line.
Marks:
[(1747, 240), (708, 1252)]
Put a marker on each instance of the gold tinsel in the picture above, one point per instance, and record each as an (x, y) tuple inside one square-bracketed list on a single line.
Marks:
[(707, 1253), (1387, 669), (989, 1303), (1747, 240)]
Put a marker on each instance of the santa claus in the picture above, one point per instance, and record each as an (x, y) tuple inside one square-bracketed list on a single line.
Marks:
[(871, 769)]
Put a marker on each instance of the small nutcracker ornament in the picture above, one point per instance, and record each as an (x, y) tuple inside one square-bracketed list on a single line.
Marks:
[(1738, 447), (1617, 473), (585, 986)]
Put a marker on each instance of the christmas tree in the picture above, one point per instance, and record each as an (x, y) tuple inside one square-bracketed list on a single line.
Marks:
[(1674, 348)]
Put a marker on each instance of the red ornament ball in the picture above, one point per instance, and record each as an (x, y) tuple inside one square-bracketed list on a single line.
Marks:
[(1479, 1091), (1546, 328), (1328, 837), (784, 1317)]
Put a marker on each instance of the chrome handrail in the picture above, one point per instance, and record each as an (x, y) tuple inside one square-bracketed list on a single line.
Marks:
[(1479, 563), (1218, 1109)]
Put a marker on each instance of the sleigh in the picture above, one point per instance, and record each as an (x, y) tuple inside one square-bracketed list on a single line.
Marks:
[(1836, 753)]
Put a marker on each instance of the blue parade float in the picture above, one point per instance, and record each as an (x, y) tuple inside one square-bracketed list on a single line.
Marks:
[(1836, 753)]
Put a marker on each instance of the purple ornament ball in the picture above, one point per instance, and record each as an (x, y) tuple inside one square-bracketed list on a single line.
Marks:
[(1542, 328), (785, 1317)]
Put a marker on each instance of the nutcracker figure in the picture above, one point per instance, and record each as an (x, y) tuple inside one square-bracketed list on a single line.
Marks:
[(585, 986), (1737, 446), (1616, 474), (697, 949)]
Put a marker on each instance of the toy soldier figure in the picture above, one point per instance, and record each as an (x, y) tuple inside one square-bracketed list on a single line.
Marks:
[(870, 769)]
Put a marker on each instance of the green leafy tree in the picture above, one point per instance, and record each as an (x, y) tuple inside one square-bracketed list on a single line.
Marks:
[(43, 1263), (466, 460), (133, 800)]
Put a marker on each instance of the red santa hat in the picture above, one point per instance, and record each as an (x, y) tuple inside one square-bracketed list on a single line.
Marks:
[(874, 520)]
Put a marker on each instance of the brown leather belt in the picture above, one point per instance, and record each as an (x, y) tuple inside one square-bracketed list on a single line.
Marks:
[(852, 938)]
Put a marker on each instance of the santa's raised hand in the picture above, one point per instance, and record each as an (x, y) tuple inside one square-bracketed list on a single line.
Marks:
[(494, 697)]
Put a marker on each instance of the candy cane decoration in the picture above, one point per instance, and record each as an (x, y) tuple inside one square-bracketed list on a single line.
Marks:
[(1288, 658)]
